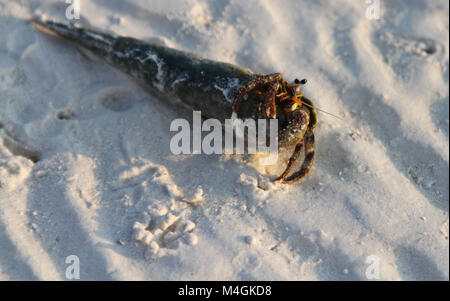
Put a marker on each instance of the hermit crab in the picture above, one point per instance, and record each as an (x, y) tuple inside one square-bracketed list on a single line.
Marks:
[(300, 118), (219, 90)]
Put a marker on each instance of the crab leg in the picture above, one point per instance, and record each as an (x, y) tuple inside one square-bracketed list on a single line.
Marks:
[(294, 157), (258, 82), (270, 106), (307, 163)]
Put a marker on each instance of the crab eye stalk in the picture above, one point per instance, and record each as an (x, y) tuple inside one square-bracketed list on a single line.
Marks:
[(300, 82), (297, 85)]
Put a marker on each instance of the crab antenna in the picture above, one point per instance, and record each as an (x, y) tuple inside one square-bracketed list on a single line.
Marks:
[(316, 108), (302, 82)]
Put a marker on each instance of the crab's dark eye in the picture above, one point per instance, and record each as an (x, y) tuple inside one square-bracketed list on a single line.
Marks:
[(302, 82)]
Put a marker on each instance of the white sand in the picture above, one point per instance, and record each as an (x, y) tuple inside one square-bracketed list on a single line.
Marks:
[(380, 186)]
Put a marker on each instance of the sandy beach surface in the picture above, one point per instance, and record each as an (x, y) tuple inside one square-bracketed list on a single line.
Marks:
[(85, 163)]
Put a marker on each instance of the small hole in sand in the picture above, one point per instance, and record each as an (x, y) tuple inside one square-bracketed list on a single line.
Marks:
[(430, 50), (65, 115), (20, 149)]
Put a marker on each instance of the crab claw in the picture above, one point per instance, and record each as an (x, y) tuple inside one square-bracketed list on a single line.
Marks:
[(294, 130)]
